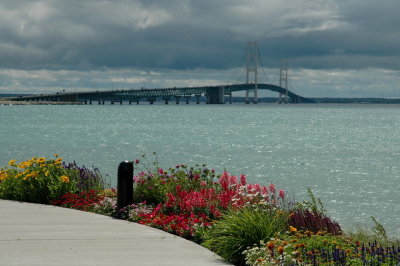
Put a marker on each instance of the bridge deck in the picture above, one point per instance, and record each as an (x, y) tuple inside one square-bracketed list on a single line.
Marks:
[(136, 94)]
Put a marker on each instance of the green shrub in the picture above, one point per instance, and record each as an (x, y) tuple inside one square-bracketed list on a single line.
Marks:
[(238, 230)]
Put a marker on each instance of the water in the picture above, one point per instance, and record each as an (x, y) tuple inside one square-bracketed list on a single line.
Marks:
[(348, 154)]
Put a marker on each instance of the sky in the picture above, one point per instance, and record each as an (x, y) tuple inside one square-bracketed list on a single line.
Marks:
[(334, 48)]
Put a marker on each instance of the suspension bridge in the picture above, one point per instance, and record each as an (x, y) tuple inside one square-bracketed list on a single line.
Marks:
[(213, 94)]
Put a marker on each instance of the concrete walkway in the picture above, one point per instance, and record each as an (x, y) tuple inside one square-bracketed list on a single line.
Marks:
[(34, 234)]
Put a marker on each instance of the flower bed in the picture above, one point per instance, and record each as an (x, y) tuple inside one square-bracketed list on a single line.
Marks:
[(244, 223)]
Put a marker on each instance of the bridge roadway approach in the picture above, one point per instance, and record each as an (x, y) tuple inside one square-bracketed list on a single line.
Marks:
[(213, 94)]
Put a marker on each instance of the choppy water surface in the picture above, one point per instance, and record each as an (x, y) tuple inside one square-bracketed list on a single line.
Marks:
[(348, 154)]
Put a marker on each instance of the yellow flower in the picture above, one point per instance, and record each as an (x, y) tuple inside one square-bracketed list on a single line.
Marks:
[(58, 161), (24, 165), (3, 175), (47, 173), (19, 175), (64, 179), (56, 155), (12, 163), (33, 174), (27, 176), (41, 160), (110, 192), (292, 229)]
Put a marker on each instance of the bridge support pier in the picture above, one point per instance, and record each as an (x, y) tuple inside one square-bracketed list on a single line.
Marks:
[(151, 100), (230, 97), (215, 95), (187, 99), (246, 100), (198, 98), (282, 99), (166, 99), (177, 99)]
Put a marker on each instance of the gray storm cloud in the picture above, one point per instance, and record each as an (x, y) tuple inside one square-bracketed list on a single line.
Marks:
[(183, 35)]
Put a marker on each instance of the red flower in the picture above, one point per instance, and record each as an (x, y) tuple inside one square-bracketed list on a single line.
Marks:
[(281, 194)]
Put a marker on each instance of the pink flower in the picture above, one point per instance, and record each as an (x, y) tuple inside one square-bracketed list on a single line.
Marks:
[(281, 194), (203, 183), (137, 161), (272, 188), (160, 171), (242, 179), (264, 190), (233, 180), (224, 180)]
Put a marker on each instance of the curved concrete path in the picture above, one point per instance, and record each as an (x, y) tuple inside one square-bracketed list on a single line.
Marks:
[(34, 234)]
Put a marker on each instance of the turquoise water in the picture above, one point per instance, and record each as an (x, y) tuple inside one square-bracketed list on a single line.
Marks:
[(348, 154)]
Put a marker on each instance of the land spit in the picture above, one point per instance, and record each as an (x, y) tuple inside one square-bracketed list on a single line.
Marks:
[(5, 101)]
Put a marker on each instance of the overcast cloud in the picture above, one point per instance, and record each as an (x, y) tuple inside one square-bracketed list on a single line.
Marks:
[(345, 48)]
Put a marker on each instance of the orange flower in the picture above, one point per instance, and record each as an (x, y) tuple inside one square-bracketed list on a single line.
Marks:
[(281, 249), (64, 179), (270, 245), (292, 229)]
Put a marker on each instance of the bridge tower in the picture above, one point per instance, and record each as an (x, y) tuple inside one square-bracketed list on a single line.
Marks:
[(283, 79), (253, 60)]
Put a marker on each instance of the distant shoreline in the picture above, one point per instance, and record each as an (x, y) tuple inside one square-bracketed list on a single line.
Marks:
[(7, 102)]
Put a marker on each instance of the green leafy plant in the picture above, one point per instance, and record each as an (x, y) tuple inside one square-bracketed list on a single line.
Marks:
[(378, 230), (237, 230), (314, 204)]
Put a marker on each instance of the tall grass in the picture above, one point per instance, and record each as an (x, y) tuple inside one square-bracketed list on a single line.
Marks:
[(238, 230)]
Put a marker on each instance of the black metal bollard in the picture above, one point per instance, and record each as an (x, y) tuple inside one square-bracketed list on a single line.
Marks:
[(125, 184)]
